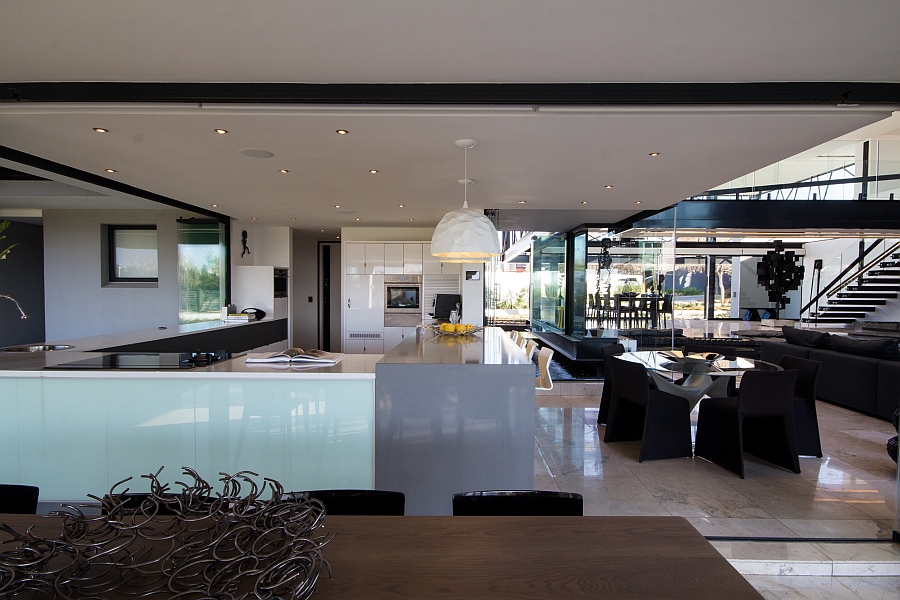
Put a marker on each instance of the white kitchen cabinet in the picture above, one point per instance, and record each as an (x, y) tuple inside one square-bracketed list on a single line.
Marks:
[(430, 264), (394, 259), (375, 259), (356, 346), (412, 259), (395, 335), (364, 303), (354, 258)]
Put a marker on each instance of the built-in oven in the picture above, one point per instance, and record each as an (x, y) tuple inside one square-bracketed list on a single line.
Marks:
[(402, 300)]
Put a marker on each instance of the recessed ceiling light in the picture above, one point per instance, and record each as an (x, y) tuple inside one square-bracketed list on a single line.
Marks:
[(412, 219), (357, 219), (215, 205), (521, 201), (293, 218), (654, 154), (110, 170), (373, 171), (401, 205), (584, 202), (221, 131), (283, 171), (341, 131), (101, 130), (608, 186), (338, 237), (337, 205), (322, 230), (253, 219), (637, 201)]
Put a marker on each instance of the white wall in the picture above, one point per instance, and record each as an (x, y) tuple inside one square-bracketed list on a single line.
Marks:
[(76, 302), (269, 246), (472, 294)]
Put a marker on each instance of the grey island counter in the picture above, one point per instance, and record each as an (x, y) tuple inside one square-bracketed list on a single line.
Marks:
[(453, 415)]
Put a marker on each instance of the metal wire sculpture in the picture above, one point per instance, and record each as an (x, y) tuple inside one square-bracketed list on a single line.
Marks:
[(190, 545)]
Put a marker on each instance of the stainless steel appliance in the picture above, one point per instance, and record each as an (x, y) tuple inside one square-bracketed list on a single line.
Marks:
[(402, 300)]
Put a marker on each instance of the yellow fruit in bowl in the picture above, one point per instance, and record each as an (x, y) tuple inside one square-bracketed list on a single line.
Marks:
[(460, 327)]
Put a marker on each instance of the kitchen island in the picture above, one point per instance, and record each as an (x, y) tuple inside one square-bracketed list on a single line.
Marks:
[(78, 432), (453, 415)]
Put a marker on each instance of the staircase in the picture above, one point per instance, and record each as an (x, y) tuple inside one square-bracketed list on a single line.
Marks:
[(853, 302)]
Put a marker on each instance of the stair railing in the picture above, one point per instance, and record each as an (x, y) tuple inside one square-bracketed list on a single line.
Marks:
[(838, 283)]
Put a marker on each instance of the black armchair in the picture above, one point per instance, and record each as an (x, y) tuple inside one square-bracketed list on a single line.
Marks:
[(760, 420), (607, 352), (661, 421), (806, 420)]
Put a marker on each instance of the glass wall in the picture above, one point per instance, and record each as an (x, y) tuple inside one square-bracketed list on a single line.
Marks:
[(548, 283), (201, 270)]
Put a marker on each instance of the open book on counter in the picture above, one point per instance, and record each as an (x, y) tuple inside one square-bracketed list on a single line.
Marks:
[(297, 355)]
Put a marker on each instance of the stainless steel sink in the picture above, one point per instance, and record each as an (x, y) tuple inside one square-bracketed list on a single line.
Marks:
[(35, 348)]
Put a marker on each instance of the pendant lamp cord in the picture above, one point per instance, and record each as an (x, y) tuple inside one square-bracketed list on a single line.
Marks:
[(466, 177)]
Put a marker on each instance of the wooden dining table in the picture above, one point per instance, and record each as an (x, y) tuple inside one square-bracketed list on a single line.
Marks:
[(536, 558)]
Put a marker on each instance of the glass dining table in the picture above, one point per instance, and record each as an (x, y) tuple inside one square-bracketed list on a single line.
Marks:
[(707, 374)]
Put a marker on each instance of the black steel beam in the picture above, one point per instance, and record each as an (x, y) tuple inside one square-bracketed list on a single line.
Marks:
[(777, 214), (809, 93)]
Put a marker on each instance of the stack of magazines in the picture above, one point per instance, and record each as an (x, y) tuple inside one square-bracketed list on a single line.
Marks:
[(297, 355)]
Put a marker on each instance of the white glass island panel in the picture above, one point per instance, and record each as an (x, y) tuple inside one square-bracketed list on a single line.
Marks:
[(78, 433)]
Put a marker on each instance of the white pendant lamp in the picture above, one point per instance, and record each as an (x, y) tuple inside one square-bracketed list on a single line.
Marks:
[(465, 235)]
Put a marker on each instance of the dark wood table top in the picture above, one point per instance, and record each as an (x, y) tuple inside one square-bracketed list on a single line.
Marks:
[(517, 557)]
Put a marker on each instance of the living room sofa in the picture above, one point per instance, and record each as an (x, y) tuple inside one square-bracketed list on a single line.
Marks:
[(869, 385)]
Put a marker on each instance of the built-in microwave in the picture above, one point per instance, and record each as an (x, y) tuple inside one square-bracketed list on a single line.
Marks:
[(402, 300)]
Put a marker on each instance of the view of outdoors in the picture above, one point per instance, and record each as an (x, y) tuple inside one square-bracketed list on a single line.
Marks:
[(201, 255)]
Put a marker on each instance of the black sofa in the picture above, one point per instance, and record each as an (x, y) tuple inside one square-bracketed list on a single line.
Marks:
[(869, 385)]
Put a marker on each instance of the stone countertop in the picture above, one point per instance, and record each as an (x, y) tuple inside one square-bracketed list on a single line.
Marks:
[(490, 346), (87, 347)]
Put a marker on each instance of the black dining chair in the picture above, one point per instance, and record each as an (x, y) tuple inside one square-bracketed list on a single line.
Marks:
[(660, 420), (356, 502), (806, 420), (607, 352), (759, 420), (518, 503), (666, 309), (18, 499)]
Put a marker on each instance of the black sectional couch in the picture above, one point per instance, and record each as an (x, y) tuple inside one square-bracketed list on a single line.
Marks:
[(863, 383)]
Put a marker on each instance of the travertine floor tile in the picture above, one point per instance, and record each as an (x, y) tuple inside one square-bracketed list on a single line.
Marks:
[(873, 588), (773, 587)]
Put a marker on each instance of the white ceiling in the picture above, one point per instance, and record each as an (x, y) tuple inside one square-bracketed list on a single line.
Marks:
[(552, 159), (449, 41)]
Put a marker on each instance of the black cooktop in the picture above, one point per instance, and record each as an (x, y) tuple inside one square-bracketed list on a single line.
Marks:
[(150, 361)]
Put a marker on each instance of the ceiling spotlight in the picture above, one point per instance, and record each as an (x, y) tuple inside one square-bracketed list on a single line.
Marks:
[(283, 171), (357, 219), (253, 219), (341, 131), (322, 230), (215, 205), (338, 237), (609, 187), (293, 218), (637, 201), (110, 170), (412, 219), (584, 202), (101, 130), (521, 201), (337, 205), (373, 171), (401, 205), (654, 154), (221, 131)]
